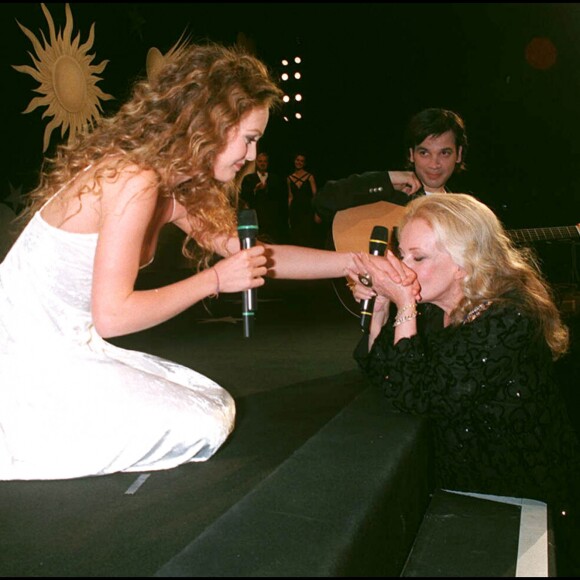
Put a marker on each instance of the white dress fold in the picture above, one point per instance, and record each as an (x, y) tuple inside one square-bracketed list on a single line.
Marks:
[(71, 403)]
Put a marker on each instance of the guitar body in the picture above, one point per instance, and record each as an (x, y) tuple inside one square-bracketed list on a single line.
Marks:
[(352, 228), (351, 232)]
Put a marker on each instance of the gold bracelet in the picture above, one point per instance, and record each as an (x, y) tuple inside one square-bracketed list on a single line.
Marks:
[(400, 319)]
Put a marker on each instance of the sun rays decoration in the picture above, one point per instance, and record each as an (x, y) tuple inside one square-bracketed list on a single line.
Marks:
[(156, 59), (68, 81)]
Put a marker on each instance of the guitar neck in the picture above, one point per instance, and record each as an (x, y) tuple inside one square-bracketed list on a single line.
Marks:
[(545, 234)]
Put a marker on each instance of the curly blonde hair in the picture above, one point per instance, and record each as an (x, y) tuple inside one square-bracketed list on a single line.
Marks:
[(176, 122), (495, 267)]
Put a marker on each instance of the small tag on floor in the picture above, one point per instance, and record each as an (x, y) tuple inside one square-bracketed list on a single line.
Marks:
[(134, 487)]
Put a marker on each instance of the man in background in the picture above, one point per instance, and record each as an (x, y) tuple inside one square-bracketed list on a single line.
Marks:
[(266, 193), (435, 146)]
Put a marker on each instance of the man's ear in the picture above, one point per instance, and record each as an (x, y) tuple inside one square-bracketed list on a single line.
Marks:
[(459, 155), (411, 155)]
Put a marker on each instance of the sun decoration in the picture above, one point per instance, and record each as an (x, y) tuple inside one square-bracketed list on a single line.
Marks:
[(67, 79), (156, 60)]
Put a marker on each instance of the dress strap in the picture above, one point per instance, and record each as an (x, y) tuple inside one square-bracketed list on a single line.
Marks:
[(173, 208), (300, 180), (65, 185)]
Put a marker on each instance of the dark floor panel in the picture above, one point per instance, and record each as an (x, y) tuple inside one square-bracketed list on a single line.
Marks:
[(466, 537), (301, 333)]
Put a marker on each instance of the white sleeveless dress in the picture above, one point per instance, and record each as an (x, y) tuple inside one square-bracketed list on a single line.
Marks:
[(72, 404)]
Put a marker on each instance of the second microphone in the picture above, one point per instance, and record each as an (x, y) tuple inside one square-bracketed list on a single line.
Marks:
[(377, 247)]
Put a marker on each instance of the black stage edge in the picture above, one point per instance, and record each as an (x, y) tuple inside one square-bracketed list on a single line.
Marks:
[(347, 503)]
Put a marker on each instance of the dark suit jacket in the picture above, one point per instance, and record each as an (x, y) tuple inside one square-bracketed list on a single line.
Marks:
[(358, 189)]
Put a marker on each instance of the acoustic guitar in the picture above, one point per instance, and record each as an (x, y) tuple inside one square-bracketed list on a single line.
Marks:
[(352, 228)]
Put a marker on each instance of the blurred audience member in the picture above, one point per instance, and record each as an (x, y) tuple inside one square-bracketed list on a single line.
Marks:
[(301, 192), (265, 192)]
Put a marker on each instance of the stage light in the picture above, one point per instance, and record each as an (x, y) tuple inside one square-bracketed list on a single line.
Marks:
[(291, 75)]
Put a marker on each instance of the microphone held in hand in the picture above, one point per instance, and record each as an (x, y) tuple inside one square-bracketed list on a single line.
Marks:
[(377, 247), (248, 233)]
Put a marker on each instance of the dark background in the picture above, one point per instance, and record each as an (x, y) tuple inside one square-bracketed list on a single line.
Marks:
[(367, 68)]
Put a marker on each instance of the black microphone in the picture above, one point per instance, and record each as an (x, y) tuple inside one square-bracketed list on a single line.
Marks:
[(248, 232), (377, 247)]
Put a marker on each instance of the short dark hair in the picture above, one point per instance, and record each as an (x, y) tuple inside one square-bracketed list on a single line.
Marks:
[(436, 122)]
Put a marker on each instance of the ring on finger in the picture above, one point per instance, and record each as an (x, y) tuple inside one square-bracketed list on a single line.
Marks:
[(365, 279)]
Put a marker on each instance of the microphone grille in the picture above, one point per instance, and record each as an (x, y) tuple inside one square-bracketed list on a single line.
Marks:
[(380, 233), (247, 220), (379, 240)]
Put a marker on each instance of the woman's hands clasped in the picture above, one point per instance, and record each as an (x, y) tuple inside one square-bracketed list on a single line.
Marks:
[(384, 278)]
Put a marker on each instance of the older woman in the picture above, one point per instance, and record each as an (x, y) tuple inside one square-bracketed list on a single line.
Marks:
[(471, 345)]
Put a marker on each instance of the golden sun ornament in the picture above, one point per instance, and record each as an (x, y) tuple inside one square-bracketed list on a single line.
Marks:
[(68, 81), (156, 59)]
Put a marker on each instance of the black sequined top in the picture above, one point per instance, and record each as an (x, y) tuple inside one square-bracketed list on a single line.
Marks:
[(500, 425)]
